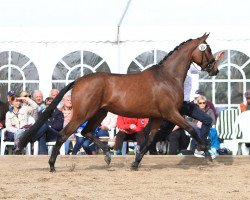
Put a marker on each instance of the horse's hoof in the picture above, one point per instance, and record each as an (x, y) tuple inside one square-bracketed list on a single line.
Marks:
[(17, 152), (52, 170), (134, 166), (18, 147), (107, 158), (210, 157)]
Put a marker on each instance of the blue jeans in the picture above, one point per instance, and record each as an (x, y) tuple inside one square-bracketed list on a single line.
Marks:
[(192, 110), (85, 143), (213, 137), (102, 133), (44, 134)]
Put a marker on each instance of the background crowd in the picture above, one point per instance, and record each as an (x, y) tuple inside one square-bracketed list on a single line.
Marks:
[(21, 111)]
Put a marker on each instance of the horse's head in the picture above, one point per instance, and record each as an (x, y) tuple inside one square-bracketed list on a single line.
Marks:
[(202, 56)]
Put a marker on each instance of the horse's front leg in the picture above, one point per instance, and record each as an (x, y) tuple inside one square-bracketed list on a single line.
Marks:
[(94, 122), (155, 124)]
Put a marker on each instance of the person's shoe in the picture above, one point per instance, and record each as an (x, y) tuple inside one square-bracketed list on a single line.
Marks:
[(202, 154), (213, 153), (118, 152), (199, 154)]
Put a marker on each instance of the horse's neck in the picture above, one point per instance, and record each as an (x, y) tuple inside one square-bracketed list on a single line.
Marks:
[(178, 64)]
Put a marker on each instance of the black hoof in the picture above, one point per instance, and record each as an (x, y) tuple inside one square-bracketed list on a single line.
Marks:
[(107, 158), (17, 152), (52, 167), (52, 170), (18, 147), (134, 166), (209, 157)]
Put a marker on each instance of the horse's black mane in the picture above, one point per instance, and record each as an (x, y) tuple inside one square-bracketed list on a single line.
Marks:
[(171, 52)]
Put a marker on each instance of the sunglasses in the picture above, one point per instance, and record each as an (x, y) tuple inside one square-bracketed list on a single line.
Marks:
[(202, 103)]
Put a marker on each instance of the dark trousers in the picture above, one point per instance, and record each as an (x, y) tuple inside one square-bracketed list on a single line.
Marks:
[(44, 134), (190, 109), (122, 136), (178, 140)]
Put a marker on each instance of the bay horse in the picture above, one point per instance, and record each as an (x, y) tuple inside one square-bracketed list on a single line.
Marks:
[(156, 93)]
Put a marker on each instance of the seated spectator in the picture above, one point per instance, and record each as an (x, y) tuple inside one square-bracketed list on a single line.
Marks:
[(3, 110), (38, 98), (85, 143), (244, 106), (29, 105), (129, 129), (67, 115), (209, 103), (50, 130), (202, 103), (16, 119), (89, 147), (107, 124), (53, 93), (178, 141), (10, 94)]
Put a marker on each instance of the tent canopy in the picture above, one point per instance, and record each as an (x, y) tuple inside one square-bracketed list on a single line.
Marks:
[(98, 20)]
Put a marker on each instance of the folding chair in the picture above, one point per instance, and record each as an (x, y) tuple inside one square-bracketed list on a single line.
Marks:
[(225, 127), (11, 144), (50, 147), (241, 126)]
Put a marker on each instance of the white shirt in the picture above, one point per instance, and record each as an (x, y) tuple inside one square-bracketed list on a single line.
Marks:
[(188, 83)]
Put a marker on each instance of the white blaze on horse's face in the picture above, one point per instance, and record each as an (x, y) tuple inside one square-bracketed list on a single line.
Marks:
[(202, 47)]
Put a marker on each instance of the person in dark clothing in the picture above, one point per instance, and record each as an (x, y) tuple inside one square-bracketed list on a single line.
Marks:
[(178, 141), (50, 129), (189, 109), (3, 110)]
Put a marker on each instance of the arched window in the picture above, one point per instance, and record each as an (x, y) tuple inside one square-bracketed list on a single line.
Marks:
[(145, 60), (227, 88), (17, 72), (75, 65)]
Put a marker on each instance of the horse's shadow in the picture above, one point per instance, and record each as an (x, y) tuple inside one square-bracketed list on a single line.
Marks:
[(188, 162)]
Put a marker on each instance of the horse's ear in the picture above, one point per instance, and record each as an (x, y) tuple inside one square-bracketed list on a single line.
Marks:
[(204, 37)]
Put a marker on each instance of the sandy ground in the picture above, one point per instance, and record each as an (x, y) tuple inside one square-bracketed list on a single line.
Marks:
[(159, 177)]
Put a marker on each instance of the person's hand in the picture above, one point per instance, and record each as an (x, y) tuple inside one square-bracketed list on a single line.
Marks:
[(132, 126), (24, 99), (123, 130), (199, 124), (103, 128), (175, 128)]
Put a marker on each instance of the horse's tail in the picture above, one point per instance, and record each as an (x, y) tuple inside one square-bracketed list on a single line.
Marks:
[(27, 135)]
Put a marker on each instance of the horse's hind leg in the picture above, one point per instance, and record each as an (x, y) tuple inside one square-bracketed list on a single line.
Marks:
[(90, 128), (154, 126), (62, 137)]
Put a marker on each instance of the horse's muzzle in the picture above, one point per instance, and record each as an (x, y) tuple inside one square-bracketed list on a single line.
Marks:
[(213, 72)]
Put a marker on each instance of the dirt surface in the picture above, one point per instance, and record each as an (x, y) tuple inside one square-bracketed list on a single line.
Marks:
[(159, 177)]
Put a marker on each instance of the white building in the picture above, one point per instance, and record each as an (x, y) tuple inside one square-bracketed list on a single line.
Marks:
[(45, 44)]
